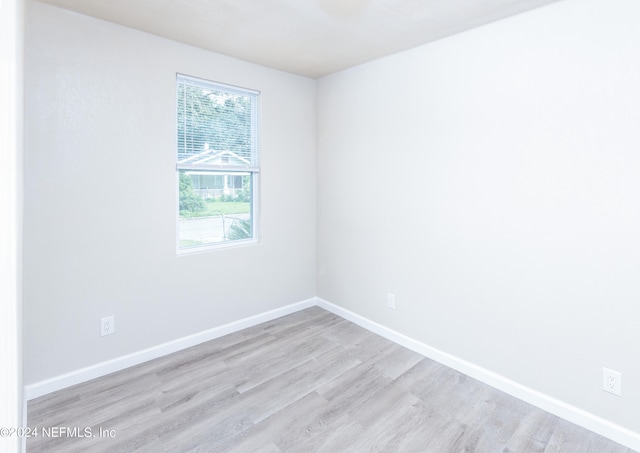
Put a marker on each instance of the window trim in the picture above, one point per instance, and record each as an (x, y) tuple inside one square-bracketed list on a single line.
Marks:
[(254, 169)]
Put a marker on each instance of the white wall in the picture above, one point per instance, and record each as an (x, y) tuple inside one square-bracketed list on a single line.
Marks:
[(11, 43), (100, 195), (491, 181)]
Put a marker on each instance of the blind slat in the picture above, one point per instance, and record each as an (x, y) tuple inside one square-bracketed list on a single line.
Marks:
[(216, 125)]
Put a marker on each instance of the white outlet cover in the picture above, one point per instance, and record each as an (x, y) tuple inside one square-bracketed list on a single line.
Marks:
[(107, 326), (612, 381), (391, 301)]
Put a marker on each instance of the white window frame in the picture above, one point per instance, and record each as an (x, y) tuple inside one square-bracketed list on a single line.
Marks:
[(253, 168)]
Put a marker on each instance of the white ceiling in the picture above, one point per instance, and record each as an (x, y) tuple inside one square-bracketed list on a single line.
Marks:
[(312, 38)]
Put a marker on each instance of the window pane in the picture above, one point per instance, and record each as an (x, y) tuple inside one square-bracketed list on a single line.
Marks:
[(215, 126), (214, 207), (217, 162)]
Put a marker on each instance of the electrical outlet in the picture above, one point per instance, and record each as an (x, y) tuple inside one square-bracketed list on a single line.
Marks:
[(391, 301), (612, 381), (107, 326)]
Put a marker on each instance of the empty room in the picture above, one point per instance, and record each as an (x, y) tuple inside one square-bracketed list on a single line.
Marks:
[(321, 225)]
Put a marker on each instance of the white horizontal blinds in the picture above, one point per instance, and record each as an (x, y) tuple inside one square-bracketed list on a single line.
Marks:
[(217, 126)]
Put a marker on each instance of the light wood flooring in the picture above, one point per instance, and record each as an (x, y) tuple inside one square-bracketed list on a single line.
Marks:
[(307, 382)]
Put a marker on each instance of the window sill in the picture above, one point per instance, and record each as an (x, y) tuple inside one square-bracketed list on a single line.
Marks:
[(217, 246)]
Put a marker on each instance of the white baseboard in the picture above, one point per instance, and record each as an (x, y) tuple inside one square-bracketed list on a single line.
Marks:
[(101, 369), (617, 433)]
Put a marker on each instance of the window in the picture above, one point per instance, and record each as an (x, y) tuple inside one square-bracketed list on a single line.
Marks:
[(217, 164)]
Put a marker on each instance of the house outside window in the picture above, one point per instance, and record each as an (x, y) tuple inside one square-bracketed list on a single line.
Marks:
[(217, 164)]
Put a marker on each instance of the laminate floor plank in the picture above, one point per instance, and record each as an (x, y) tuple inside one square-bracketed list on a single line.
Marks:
[(369, 347), (379, 410), (533, 433), (201, 358), (280, 361), (271, 429), (357, 384), (411, 431), (396, 360), (409, 428), (568, 438), (307, 382), (500, 418), (307, 428), (308, 377), (340, 437)]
